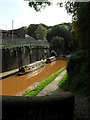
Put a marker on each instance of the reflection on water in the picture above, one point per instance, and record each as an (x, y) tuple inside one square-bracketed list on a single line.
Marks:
[(34, 73), (15, 85)]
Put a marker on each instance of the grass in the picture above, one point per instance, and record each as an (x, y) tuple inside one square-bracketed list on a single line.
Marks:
[(62, 81), (64, 84), (70, 86), (42, 84)]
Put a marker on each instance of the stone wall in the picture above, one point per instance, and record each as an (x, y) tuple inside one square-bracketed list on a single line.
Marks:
[(15, 57), (38, 108)]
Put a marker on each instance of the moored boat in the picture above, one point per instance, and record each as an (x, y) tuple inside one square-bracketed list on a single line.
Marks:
[(51, 59), (31, 67)]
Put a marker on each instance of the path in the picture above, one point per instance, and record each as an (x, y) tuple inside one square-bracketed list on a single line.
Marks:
[(8, 73), (81, 103), (53, 86)]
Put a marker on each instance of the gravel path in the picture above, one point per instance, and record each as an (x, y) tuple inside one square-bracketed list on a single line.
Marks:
[(53, 86), (81, 103)]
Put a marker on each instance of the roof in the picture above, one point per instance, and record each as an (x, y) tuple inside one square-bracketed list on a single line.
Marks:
[(24, 42)]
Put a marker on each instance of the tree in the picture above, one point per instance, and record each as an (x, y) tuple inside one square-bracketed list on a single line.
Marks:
[(41, 32), (31, 30), (58, 44), (61, 31), (81, 24), (26, 29), (37, 5), (77, 68), (80, 21)]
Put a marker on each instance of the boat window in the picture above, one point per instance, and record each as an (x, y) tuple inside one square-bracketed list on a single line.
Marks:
[(31, 67)]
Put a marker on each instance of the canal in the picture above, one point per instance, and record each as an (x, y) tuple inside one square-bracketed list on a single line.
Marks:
[(16, 85)]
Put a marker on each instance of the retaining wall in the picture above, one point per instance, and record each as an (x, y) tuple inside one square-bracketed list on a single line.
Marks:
[(13, 58), (38, 108)]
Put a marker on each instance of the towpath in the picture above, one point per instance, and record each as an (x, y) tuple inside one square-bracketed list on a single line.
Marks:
[(8, 73), (52, 87), (81, 103)]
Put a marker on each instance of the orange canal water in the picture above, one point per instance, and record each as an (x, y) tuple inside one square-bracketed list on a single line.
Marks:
[(16, 85)]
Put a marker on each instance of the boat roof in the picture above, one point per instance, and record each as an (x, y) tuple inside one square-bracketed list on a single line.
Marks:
[(33, 63)]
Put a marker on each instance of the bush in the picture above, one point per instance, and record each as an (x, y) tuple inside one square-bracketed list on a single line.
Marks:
[(78, 74), (62, 81)]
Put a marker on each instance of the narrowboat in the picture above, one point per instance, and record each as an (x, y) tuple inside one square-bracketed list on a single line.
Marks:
[(31, 67), (51, 59)]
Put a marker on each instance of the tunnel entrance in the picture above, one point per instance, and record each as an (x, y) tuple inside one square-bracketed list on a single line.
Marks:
[(53, 53)]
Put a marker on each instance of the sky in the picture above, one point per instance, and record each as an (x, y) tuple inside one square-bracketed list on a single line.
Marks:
[(23, 15)]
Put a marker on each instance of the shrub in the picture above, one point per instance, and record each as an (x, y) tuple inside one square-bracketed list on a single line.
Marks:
[(78, 74)]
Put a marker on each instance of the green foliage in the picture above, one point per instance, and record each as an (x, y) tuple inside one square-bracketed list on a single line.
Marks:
[(80, 21), (42, 84), (62, 82), (41, 32), (26, 29), (77, 77), (39, 5), (78, 74), (58, 30), (62, 30), (77, 68), (31, 30), (58, 44)]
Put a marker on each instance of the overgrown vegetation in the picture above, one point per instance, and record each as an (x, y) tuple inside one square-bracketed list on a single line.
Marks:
[(42, 84), (62, 81), (21, 42), (76, 79), (78, 76), (77, 67)]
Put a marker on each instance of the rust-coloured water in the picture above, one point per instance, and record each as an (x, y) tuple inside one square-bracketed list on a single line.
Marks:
[(15, 85)]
